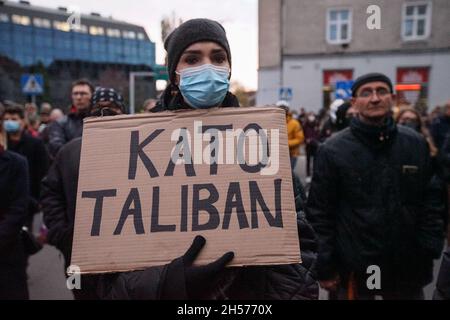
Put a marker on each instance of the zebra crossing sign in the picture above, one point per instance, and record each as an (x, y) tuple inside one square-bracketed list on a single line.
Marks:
[(32, 84)]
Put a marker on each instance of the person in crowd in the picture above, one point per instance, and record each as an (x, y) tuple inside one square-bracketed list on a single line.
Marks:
[(302, 116), (344, 114), (295, 133), (440, 127), (312, 134), (410, 117), (71, 126), (32, 124), (31, 110), (330, 125), (199, 65), (14, 194), (372, 203), (59, 189), (56, 115), (44, 116), (31, 148)]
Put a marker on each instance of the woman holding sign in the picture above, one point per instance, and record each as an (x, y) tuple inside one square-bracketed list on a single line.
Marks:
[(199, 66)]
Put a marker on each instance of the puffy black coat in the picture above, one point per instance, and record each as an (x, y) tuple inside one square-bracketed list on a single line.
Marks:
[(14, 195), (296, 281), (63, 131), (58, 200), (371, 203), (58, 197), (34, 151)]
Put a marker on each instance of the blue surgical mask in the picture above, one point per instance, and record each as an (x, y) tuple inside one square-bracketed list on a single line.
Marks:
[(11, 126), (205, 86)]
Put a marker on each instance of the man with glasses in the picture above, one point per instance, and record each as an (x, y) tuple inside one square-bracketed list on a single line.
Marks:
[(71, 126), (377, 217)]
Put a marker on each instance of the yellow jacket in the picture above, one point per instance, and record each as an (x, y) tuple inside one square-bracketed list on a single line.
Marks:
[(295, 135)]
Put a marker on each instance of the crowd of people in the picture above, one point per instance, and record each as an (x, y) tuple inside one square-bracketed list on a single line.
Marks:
[(378, 189)]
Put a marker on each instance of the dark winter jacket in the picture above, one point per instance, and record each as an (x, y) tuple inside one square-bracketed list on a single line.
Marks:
[(63, 131), (371, 203), (14, 194), (311, 132), (442, 291), (295, 281), (58, 197), (33, 149)]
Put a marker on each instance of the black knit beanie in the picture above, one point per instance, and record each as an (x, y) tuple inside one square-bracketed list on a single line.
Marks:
[(371, 77), (190, 32)]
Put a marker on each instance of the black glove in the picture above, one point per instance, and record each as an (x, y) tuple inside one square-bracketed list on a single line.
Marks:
[(200, 280)]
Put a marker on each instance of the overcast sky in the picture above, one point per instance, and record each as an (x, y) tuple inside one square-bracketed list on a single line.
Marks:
[(239, 17)]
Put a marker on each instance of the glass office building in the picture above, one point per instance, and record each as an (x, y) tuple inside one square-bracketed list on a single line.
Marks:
[(31, 34)]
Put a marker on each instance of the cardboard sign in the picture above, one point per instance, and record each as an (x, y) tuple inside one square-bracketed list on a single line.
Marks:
[(150, 183)]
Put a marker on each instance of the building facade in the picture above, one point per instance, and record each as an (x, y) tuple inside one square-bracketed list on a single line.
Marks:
[(309, 47), (68, 47)]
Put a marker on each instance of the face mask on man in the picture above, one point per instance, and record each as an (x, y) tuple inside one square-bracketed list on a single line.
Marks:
[(205, 86), (311, 118), (11, 126)]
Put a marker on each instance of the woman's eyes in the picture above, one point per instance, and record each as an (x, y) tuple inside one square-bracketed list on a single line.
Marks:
[(191, 59), (219, 58), (215, 59)]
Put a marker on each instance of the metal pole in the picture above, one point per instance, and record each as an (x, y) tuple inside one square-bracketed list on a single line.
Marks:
[(132, 109), (133, 76), (33, 99)]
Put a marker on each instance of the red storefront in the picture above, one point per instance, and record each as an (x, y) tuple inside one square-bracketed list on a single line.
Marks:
[(412, 84)]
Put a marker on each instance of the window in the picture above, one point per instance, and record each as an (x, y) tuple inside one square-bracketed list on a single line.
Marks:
[(4, 17), (416, 20), (22, 20), (141, 36), (80, 28), (339, 26), (115, 33), (129, 34), (96, 31), (41, 23), (61, 26)]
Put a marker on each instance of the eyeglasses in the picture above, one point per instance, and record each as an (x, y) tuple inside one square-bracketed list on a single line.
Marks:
[(380, 92)]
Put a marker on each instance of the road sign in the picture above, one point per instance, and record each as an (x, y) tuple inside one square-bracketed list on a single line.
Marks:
[(32, 84), (285, 93), (343, 89)]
